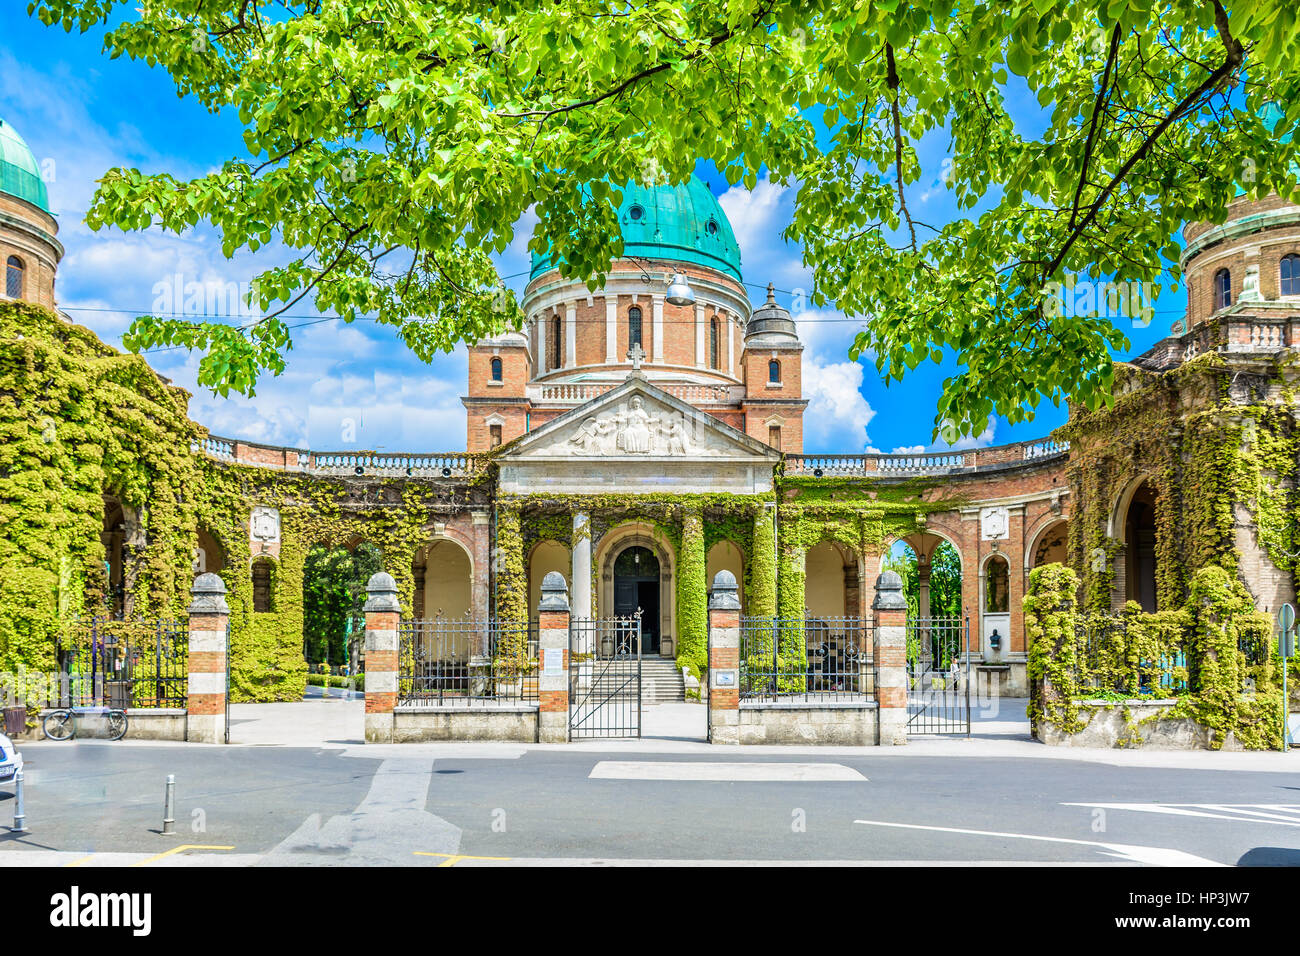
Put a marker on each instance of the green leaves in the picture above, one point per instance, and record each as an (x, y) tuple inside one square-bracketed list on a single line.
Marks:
[(392, 145)]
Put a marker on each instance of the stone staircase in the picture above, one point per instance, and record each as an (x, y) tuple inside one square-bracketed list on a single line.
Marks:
[(661, 682)]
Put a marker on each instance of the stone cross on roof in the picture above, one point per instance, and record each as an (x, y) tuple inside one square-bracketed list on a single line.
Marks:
[(636, 355)]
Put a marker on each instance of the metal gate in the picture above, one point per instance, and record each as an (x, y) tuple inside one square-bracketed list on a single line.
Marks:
[(122, 664), (605, 677), (938, 675)]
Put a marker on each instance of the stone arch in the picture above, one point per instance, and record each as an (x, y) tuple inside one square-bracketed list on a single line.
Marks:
[(1115, 522), (613, 543), (442, 570), (545, 556), (333, 620), (119, 535), (264, 571), (831, 580), (209, 555), (1048, 543), (1137, 581), (725, 555), (924, 542)]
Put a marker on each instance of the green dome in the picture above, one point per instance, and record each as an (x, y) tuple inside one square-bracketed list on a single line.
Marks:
[(19, 174), (678, 223)]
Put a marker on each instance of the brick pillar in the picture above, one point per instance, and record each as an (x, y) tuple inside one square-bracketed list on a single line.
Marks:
[(382, 612), (553, 646), (889, 612), (724, 660), (205, 721)]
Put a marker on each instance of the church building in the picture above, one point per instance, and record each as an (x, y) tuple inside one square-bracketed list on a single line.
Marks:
[(639, 439)]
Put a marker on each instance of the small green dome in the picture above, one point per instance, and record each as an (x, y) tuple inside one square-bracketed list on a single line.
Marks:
[(20, 176), (681, 223)]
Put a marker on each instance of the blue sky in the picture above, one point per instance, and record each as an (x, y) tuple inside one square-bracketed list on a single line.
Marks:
[(83, 113)]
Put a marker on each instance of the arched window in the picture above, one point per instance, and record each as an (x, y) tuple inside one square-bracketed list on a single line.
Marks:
[(14, 270), (713, 342), (997, 591), (1290, 274), (1222, 289), (557, 346), (633, 326), (496, 370), (774, 372), (263, 588)]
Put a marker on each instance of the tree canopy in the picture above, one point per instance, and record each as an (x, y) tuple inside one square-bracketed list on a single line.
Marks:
[(393, 145)]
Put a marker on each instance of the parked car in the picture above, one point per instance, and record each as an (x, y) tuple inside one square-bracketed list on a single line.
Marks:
[(11, 761)]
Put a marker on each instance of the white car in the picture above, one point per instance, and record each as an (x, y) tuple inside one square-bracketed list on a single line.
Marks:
[(11, 761)]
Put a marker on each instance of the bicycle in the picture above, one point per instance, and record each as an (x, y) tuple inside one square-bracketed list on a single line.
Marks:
[(61, 724)]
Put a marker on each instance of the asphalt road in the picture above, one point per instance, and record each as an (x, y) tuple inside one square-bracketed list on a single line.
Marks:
[(96, 802)]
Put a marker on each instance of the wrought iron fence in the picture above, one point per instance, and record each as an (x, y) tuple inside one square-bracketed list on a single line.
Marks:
[(1111, 659), (812, 659), (122, 664), (938, 675), (464, 661)]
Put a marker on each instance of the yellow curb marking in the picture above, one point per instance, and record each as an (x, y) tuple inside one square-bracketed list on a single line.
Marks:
[(451, 859), (178, 849), (78, 862)]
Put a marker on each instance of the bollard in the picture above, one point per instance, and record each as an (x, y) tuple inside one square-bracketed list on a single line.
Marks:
[(20, 815), (169, 806)]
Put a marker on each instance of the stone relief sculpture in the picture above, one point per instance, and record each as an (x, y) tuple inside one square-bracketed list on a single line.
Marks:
[(994, 523), (631, 430), (264, 525), (634, 428)]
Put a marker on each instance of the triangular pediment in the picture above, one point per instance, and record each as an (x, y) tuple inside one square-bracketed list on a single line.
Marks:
[(638, 420)]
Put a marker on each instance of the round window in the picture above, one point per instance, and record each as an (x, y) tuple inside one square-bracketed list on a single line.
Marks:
[(636, 213), (711, 227)]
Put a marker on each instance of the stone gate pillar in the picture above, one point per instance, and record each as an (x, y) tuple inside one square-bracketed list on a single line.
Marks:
[(889, 613), (382, 613), (724, 660), (553, 649), (205, 720)]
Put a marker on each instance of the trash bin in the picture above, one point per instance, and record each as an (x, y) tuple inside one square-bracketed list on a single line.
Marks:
[(15, 720)]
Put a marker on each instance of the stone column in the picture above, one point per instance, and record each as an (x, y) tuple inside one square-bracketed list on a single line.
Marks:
[(731, 343), (553, 647), (701, 354), (890, 619), (543, 356), (724, 660), (581, 566), (482, 560), (205, 721), (570, 334), (611, 330), (657, 305), (923, 585), (382, 612)]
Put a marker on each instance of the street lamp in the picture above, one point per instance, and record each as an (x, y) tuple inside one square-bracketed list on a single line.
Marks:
[(680, 291)]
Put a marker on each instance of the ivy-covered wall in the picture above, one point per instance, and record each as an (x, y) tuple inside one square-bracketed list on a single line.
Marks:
[(1192, 653), (79, 421), (1221, 455)]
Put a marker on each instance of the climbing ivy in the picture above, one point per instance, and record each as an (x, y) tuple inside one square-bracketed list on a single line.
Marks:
[(1193, 653)]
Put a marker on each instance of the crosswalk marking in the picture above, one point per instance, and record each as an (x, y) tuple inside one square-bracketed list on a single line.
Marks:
[(732, 772)]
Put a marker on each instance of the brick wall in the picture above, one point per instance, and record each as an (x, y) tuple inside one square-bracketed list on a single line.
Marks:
[(39, 252)]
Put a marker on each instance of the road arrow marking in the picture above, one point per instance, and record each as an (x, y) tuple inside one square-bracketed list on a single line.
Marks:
[(1150, 855), (1278, 815)]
